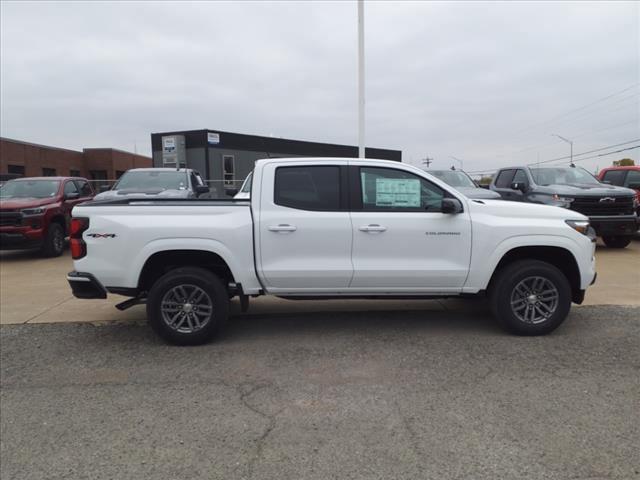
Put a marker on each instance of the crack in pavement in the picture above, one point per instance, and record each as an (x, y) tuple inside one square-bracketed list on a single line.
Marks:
[(271, 422)]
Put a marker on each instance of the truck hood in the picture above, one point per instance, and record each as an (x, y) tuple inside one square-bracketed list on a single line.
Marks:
[(479, 193), (146, 193), (520, 210), (586, 190), (27, 202)]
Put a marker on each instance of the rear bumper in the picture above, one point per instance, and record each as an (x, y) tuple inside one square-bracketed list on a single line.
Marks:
[(623, 225), (85, 285)]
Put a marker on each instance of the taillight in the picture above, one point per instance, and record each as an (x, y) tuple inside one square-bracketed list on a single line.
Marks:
[(78, 247)]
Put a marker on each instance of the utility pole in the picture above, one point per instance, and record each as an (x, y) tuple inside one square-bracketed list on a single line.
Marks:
[(570, 144), (361, 151), (427, 161)]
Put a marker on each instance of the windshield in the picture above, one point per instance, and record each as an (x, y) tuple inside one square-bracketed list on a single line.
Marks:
[(246, 186), (152, 180), (562, 176), (454, 178), (29, 189)]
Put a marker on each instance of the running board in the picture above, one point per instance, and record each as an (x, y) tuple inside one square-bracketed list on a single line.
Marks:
[(130, 303)]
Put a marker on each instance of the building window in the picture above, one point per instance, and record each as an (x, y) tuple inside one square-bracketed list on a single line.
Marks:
[(48, 172), (98, 174), (15, 169), (74, 173), (228, 169)]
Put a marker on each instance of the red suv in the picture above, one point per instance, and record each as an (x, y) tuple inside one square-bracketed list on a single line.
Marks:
[(623, 177), (36, 212)]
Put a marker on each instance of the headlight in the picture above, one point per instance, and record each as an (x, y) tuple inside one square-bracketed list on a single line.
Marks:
[(581, 226), (28, 212), (558, 201)]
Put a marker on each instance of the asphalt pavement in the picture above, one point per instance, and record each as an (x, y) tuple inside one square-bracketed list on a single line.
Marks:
[(348, 395)]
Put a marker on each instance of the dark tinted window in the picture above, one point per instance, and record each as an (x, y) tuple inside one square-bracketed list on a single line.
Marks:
[(308, 188), (70, 187), (48, 172), (632, 177), (615, 177), (74, 173), (520, 177), (16, 169), (504, 178), (84, 187), (385, 189)]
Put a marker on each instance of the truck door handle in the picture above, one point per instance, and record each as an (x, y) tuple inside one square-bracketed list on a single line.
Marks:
[(374, 227), (283, 227)]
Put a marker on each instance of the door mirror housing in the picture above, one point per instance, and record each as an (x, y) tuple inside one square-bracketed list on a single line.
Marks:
[(451, 205), (518, 186), (200, 189), (72, 196)]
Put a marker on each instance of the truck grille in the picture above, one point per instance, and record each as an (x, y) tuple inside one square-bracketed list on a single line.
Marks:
[(10, 218), (603, 206)]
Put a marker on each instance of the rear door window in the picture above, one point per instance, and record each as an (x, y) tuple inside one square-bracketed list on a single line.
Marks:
[(505, 178), (632, 177), (84, 187), (308, 187)]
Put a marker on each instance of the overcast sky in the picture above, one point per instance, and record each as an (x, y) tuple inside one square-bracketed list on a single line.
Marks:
[(486, 82)]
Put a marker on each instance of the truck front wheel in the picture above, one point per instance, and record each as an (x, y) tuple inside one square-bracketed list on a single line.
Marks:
[(187, 306), (616, 241), (53, 245), (530, 297)]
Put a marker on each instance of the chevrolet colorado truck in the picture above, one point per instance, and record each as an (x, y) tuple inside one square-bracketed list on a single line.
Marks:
[(35, 212), (331, 228)]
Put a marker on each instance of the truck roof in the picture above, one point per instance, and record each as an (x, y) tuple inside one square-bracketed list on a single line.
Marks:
[(160, 169)]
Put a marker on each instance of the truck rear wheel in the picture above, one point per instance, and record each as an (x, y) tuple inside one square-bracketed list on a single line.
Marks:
[(530, 297), (53, 245), (187, 306), (616, 241)]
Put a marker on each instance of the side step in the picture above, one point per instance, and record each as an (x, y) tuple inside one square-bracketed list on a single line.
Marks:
[(131, 302)]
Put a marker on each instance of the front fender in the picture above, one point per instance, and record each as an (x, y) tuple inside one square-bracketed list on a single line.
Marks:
[(484, 263)]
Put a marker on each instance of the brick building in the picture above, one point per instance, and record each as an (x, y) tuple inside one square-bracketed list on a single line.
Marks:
[(32, 160)]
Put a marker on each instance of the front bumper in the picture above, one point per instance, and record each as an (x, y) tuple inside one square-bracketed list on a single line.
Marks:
[(13, 237), (85, 285), (622, 225)]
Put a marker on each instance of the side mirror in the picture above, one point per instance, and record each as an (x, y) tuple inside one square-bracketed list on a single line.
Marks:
[(518, 186), (634, 185), (200, 189), (72, 196), (231, 192), (451, 205), (103, 188)]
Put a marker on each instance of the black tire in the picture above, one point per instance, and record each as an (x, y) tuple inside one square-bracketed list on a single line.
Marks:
[(53, 245), (518, 275), (189, 280), (616, 241)]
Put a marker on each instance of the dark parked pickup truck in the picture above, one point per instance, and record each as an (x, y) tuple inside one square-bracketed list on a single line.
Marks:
[(35, 212), (611, 209)]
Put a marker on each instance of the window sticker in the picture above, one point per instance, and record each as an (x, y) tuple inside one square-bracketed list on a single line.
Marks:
[(398, 192)]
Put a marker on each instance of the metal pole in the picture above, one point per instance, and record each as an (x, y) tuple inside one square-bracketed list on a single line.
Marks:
[(361, 151)]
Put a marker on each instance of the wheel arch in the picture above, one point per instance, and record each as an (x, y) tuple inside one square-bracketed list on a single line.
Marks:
[(161, 262), (557, 256)]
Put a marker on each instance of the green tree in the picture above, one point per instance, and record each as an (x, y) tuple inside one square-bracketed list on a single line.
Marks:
[(625, 162)]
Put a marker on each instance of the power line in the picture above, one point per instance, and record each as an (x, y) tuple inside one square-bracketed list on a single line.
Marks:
[(567, 156), (578, 109), (607, 153), (585, 153)]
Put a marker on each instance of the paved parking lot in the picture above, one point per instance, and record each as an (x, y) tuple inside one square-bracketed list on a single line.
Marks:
[(317, 390)]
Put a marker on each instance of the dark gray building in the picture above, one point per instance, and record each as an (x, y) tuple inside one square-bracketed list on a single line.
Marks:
[(225, 158)]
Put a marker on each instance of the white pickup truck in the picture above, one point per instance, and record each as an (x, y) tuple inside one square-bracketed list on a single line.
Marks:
[(331, 227)]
